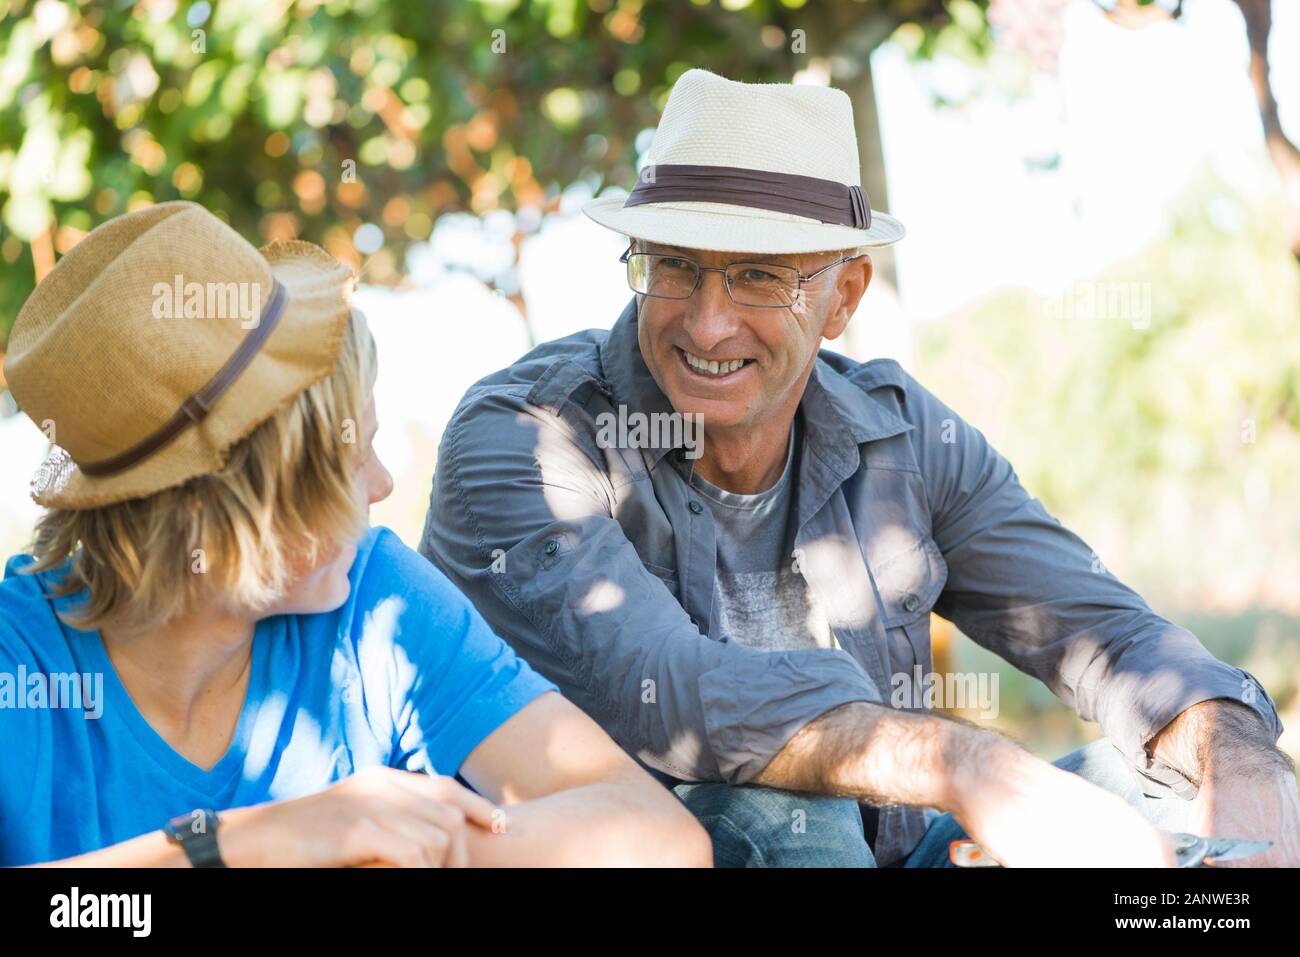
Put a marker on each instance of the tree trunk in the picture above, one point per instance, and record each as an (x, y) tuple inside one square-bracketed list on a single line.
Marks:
[(871, 157), (1283, 153)]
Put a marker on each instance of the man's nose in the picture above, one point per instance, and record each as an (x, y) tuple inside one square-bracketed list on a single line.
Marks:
[(710, 313)]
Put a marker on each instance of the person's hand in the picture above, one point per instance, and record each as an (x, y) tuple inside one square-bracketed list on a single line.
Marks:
[(377, 817), (1028, 813), (1261, 807), (1247, 785)]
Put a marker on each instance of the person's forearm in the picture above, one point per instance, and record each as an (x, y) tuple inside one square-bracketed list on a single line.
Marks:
[(147, 850), (154, 850), (609, 824), (1020, 809), (881, 755), (613, 823), (1218, 738), (1245, 786)]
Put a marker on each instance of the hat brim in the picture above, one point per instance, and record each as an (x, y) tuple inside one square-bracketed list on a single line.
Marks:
[(302, 350), (726, 228)]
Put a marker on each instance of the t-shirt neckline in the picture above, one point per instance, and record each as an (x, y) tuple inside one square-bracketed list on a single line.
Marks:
[(740, 500), (214, 780)]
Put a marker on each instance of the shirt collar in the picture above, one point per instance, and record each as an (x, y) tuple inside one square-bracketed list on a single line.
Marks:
[(832, 406)]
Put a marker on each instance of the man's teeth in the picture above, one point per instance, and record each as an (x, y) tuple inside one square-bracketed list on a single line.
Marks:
[(709, 367)]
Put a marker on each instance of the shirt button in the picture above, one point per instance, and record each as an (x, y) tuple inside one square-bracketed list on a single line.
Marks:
[(695, 507), (552, 546), (911, 603)]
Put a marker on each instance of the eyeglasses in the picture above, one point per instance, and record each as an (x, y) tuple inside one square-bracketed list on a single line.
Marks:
[(759, 285)]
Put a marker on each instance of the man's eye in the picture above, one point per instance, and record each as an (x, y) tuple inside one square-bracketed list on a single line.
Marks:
[(673, 263), (752, 274)]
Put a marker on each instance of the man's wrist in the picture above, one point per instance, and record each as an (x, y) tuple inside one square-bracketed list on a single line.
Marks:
[(1219, 738), (1233, 762)]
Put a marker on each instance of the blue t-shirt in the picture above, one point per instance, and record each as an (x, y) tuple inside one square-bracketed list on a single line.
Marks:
[(405, 674)]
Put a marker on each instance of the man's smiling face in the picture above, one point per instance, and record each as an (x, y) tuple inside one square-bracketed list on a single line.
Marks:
[(740, 366)]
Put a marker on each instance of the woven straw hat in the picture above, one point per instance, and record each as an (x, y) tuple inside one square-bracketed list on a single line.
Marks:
[(774, 167), (162, 339)]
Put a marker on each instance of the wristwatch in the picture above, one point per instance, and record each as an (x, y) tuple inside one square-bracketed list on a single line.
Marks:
[(196, 834)]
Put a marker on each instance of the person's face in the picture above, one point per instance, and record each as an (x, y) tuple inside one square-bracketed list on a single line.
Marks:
[(775, 347), (324, 585)]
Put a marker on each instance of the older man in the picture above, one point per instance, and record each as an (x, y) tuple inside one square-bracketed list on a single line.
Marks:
[(739, 608)]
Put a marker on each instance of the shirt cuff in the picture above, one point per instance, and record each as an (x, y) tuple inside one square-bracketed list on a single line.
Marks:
[(782, 692)]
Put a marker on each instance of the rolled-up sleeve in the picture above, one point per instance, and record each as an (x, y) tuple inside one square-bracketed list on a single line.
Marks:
[(520, 518), (1030, 590)]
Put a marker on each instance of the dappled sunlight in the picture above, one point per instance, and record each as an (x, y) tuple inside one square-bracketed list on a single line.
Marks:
[(561, 463), (381, 622), (604, 595)]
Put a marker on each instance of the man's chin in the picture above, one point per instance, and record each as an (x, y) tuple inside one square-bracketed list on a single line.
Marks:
[(713, 415), (724, 410)]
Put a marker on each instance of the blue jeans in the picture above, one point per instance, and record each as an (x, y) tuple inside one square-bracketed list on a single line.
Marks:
[(766, 827)]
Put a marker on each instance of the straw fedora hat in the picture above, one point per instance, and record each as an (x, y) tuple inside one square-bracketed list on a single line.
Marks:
[(162, 339), (750, 167)]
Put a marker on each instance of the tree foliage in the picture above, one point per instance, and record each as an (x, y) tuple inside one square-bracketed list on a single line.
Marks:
[(1154, 408), (309, 119)]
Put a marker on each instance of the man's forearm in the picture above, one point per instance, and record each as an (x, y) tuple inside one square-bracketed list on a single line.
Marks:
[(1219, 737), (1022, 810), (881, 755)]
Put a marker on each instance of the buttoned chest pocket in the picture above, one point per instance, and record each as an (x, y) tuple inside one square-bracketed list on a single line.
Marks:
[(909, 572)]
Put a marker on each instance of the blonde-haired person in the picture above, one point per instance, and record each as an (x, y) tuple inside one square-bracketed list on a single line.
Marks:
[(212, 659)]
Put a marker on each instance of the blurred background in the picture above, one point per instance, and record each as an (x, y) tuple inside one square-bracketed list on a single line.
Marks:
[(1102, 267)]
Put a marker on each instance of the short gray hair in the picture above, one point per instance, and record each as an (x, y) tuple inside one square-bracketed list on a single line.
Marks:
[(637, 245)]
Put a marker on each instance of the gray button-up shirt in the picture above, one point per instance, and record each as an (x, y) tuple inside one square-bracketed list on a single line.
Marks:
[(592, 563)]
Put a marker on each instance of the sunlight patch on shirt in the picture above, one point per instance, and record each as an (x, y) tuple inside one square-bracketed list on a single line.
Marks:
[(603, 596), (381, 622)]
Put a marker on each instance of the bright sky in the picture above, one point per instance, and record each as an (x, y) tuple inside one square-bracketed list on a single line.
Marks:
[(1132, 115)]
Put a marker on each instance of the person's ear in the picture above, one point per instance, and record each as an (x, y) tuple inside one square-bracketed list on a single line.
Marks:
[(850, 285)]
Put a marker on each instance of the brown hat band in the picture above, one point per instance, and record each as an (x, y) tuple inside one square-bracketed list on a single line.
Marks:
[(196, 407), (826, 200)]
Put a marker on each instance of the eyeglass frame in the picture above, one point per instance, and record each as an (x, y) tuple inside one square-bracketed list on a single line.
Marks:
[(700, 270)]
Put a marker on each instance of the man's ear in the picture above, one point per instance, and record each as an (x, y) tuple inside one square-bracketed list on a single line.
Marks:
[(850, 286)]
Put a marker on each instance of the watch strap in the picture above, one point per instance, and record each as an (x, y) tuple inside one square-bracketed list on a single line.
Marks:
[(196, 834)]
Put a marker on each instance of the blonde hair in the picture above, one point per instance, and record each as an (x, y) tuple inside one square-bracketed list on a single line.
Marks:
[(285, 495)]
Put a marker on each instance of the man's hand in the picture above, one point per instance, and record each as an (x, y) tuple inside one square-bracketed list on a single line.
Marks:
[(1266, 809), (1247, 786), (1028, 813)]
